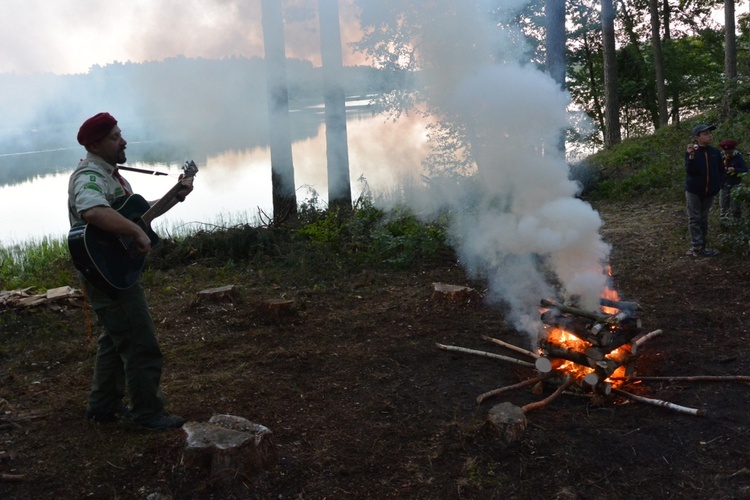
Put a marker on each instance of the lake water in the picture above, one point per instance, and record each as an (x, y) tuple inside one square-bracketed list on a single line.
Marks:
[(231, 186)]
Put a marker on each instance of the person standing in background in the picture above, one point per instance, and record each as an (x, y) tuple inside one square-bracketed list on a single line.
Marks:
[(704, 171), (734, 168)]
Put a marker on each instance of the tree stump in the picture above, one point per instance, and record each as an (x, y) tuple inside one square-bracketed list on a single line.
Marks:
[(229, 447), (454, 293), (277, 308), (507, 421), (221, 294)]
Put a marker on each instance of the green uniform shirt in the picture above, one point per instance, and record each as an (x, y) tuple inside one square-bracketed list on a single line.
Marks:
[(93, 184)]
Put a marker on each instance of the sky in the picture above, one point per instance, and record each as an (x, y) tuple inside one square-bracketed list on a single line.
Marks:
[(70, 36)]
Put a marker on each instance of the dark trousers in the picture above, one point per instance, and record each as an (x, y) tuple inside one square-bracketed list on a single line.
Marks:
[(698, 209), (127, 355)]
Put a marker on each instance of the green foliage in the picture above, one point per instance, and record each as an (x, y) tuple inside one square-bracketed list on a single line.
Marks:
[(369, 235), (44, 263), (735, 234), (646, 166)]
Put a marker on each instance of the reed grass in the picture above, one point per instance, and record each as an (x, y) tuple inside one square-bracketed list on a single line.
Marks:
[(42, 262)]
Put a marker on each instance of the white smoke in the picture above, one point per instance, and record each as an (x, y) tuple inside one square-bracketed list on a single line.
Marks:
[(528, 235)]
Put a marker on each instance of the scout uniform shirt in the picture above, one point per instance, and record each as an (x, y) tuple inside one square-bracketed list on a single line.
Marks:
[(94, 183)]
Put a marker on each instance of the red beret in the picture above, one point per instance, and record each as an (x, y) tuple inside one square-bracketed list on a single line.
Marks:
[(95, 128), (728, 144)]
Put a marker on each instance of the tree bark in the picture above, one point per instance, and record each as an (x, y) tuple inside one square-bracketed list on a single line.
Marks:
[(612, 134), (555, 47), (337, 149), (730, 60), (282, 167), (661, 86)]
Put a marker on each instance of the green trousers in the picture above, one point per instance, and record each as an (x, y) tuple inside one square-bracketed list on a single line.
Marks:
[(127, 355)]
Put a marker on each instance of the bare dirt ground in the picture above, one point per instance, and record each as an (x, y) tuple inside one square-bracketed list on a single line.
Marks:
[(363, 405)]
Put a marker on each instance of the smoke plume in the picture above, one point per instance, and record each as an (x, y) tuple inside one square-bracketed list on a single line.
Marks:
[(526, 233)]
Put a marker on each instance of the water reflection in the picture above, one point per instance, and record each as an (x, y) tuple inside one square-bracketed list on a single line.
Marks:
[(232, 185)]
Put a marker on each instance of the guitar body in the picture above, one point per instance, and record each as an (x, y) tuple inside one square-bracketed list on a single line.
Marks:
[(108, 261)]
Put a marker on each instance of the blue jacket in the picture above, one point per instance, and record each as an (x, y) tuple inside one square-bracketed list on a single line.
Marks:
[(705, 171), (735, 160)]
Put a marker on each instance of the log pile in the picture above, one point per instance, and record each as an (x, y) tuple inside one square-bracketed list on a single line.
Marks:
[(599, 351), (604, 341), (23, 298)]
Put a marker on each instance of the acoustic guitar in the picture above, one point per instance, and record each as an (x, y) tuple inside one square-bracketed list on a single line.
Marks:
[(110, 261)]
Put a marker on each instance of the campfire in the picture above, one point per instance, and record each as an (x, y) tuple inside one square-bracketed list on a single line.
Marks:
[(592, 348), (581, 352), (589, 353)]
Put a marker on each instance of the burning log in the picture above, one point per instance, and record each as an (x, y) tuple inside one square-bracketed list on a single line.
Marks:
[(596, 317), (484, 353), (558, 351), (663, 404), (597, 384), (694, 378), (608, 331)]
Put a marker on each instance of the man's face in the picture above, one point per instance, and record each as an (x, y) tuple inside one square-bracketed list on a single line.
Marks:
[(704, 138), (111, 148)]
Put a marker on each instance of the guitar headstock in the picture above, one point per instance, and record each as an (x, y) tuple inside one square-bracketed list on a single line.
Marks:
[(189, 169)]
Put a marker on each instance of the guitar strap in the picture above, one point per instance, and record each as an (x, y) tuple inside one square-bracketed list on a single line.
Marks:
[(122, 181), (142, 171)]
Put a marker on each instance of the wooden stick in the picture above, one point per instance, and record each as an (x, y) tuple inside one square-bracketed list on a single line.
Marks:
[(544, 402), (694, 378), (510, 346), (642, 340), (11, 478), (663, 404), (513, 387), (485, 354)]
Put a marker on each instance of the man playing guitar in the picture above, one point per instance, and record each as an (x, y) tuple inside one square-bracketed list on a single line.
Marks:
[(128, 353)]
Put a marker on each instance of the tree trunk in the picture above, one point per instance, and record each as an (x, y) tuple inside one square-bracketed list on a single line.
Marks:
[(555, 47), (730, 60), (672, 88), (612, 134), (661, 88), (282, 167), (649, 95), (595, 97), (337, 152)]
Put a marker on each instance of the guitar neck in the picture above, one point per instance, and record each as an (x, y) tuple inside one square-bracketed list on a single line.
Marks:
[(170, 198), (162, 206)]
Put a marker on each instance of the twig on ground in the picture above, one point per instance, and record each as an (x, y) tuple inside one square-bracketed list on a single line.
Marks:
[(11, 478), (663, 404), (642, 340), (507, 388), (544, 402)]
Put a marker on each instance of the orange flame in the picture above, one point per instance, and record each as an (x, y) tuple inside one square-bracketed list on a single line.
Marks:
[(563, 338)]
